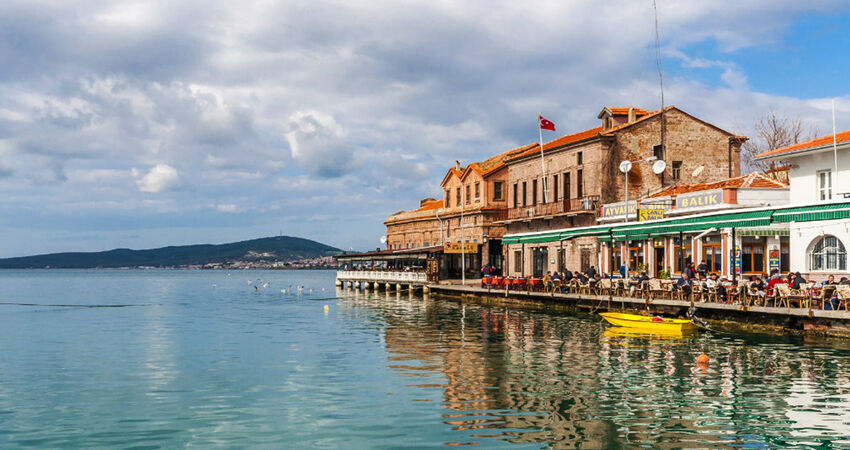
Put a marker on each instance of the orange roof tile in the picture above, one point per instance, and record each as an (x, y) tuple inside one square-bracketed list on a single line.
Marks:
[(624, 110), (561, 141), (843, 136), (494, 163), (750, 180)]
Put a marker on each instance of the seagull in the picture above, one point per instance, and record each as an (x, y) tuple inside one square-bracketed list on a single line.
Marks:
[(266, 284), (283, 291)]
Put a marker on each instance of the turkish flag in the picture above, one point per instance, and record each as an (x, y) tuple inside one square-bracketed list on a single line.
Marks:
[(546, 124)]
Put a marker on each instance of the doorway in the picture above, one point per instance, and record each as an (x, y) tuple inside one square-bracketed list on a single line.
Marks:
[(540, 259), (659, 259)]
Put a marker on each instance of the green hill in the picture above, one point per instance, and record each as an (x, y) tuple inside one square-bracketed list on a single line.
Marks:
[(280, 248)]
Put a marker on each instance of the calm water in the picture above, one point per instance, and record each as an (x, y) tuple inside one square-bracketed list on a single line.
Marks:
[(151, 359)]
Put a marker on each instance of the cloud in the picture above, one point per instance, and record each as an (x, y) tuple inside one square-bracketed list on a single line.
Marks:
[(318, 144), (161, 177)]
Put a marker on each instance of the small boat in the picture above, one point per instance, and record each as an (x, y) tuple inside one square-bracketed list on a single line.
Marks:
[(659, 324), (645, 333)]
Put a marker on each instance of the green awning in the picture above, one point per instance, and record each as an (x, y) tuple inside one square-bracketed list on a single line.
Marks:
[(827, 211), (696, 224)]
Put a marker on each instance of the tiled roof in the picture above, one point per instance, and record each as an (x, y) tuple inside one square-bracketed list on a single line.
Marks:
[(624, 110), (751, 180), (561, 141), (494, 163), (428, 206), (843, 136)]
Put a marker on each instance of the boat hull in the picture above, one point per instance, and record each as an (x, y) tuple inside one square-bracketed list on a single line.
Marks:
[(646, 323)]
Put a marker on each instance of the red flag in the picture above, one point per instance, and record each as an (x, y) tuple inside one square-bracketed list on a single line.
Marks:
[(546, 124)]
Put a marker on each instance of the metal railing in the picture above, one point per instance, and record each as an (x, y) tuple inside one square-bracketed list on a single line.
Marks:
[(380, 275), (588, 204)]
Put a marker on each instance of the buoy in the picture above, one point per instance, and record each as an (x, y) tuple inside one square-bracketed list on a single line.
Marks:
[(702, 359)]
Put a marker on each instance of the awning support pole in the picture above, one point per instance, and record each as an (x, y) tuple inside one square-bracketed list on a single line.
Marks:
[(681, 252), (734, 258)]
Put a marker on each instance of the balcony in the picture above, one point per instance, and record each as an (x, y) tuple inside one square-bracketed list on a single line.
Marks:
[(585, 205)]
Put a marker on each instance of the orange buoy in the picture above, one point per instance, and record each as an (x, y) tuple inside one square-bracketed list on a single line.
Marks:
[(702, 359)]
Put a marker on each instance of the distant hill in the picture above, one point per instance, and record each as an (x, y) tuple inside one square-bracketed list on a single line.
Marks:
[(280, 248)]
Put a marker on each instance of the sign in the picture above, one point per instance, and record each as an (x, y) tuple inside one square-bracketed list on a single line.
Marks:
[(773, 260), (650, 214), (735, 259), (457, 247), (699, 199), (618, 210)]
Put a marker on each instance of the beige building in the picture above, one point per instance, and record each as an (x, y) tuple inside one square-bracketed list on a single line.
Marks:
[(582, 174), (475, 194)]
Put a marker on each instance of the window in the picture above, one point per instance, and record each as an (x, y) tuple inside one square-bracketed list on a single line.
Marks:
[(579, 184), (534, 192), (477, 191), (677, 170), (516, 187), (524, 194), (497, 191), (752, 258), (517, 261), (467, 194), (567, 185), (448, 199), (784, 257), (635, 255), (828, 254), (579, 159), (555, 185), (825, 185), (712, 253), (658, 151), (458, 197), (688, 256)]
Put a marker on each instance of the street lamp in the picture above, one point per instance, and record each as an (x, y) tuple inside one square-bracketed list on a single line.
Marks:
[(626, 167)]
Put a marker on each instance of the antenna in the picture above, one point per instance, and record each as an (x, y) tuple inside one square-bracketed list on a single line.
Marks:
[(660, 77)]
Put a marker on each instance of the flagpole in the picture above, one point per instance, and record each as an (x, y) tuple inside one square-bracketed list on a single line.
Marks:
[(834, 148), (542, 160)]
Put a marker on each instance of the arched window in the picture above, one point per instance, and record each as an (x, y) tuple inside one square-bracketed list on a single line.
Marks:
[(828, 254)]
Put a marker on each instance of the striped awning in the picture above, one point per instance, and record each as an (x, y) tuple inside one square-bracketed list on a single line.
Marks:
[(828, 211), (753, 222)]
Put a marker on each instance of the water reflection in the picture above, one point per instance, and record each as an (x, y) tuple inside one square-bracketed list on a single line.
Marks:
[(517, 376)]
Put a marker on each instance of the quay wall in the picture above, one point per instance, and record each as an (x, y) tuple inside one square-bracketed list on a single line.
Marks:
[(720, 316)]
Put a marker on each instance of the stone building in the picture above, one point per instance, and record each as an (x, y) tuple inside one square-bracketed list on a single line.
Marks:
[(475, 194), (582, 174)]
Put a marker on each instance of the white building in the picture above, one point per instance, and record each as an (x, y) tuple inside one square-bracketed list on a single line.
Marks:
[(819, 178)]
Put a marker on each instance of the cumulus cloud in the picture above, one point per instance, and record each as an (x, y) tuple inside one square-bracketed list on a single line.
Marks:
[(291, 114), (318, 144), (161, 177)]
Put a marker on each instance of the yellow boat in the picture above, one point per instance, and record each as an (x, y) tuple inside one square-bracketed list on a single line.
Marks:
[(625, 333), (649, 323)]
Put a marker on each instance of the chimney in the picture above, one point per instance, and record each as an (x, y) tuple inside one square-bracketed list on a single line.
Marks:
[(632, 115), (457, 165)]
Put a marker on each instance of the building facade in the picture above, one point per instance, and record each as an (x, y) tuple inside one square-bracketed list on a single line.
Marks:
[(819, 176), (474, 196), (581, 175)]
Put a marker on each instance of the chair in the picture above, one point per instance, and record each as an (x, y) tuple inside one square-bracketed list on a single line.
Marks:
[(697, 291), (605, 287), (655, 289), (843, 295), (783, 292), (710, 294)]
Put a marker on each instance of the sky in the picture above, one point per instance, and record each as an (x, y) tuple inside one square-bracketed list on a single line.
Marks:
[(137, 124)]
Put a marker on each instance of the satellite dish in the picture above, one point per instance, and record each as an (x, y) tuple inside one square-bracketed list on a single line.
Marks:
[(659, 166), (625, 166), (698, 171), (383, 239)]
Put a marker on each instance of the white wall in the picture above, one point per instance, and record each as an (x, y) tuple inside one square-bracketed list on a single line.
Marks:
[(803, 234), (763, 197), (803, 174)]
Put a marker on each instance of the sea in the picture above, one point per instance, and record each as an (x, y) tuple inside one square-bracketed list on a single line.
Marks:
[(148, 359)]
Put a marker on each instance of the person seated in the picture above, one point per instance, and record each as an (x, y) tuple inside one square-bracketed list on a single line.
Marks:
[(556, 282), (547, 282), (844, 281), (774, 280), (685, 284), (714, 283), (567, 275), (582, 278), (636, 282), (799, 282)]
